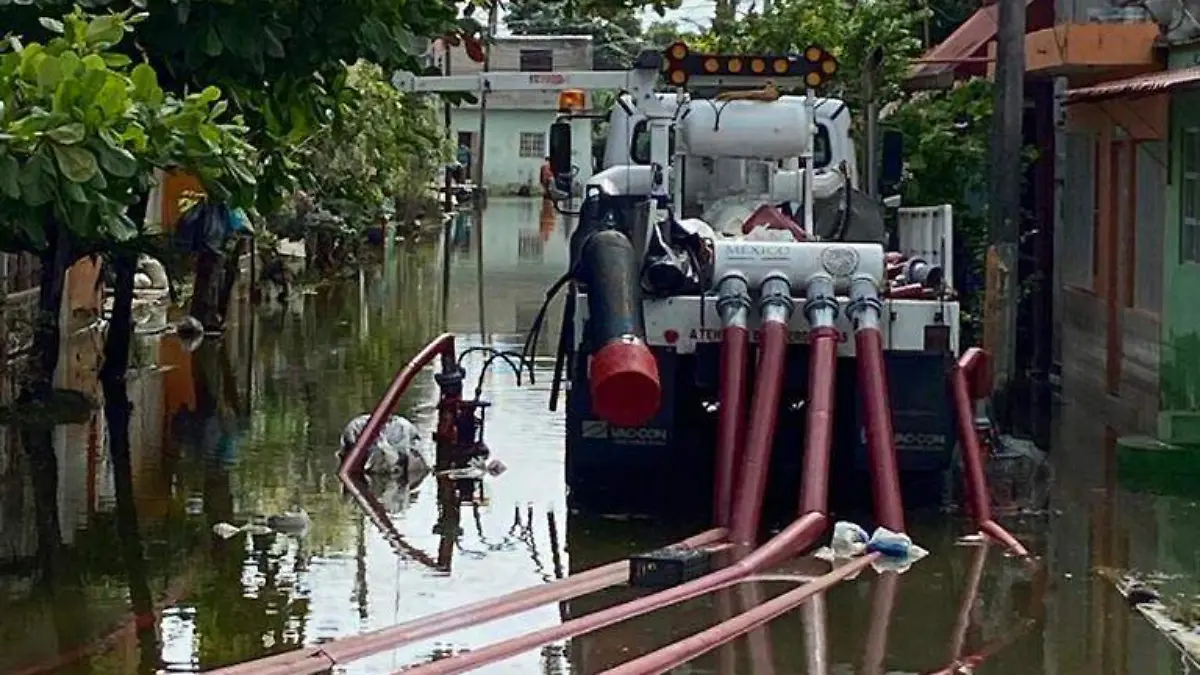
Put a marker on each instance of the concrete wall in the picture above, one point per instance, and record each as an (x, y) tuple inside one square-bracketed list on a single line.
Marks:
[(505, 169)]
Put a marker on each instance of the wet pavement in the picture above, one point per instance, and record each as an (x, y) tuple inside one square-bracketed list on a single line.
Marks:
[(104, 575)]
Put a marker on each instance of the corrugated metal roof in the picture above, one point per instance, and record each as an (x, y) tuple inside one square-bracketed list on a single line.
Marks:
[(964, 42), (1141, 85)]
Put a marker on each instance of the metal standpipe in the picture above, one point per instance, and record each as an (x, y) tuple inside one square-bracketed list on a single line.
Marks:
[(775, 308), (866, 311), (733, 306)]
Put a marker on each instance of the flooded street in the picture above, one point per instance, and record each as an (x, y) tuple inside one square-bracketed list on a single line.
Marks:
[(248, 426)]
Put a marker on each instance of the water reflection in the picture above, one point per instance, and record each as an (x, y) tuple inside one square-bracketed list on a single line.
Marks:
[(108, 562)]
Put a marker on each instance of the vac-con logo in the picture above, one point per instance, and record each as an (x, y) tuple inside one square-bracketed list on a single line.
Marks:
[(600, 430), (912, 440)]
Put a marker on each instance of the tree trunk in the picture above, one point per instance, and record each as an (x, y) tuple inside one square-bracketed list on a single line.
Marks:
[(47, 331)]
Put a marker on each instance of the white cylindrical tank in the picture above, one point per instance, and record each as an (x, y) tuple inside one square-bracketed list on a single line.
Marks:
[(751, 129)]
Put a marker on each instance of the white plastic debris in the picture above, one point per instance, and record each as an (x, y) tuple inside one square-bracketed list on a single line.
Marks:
[(897, 551), (477, 469), (849, 540)]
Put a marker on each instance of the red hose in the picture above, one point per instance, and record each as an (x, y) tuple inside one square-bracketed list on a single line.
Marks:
[(687, 649), (780, 547), (320, 659), (883, 603), (730, 420), (975, 484), (442, 345), (885, 474), (764, 411), (818, 434)]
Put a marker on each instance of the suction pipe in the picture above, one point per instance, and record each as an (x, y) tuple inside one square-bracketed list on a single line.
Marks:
[(775, 307), (622, 375), (866, 310), (821, 309), (779, 548), (978, 495), (733, 306)]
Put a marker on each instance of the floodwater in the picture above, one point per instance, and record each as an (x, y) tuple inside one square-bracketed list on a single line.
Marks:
[(104, 574)]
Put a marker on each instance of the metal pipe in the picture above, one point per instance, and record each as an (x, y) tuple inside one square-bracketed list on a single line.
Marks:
[(733, 306), (689, 648), (865, 309), (319, 659), (975, 484), (775, 306), (443, 346), (780, 547)]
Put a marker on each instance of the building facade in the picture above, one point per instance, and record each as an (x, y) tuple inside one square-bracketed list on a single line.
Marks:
[(518, 122)]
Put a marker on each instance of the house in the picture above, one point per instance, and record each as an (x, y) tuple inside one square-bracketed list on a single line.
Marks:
[(518, 122)]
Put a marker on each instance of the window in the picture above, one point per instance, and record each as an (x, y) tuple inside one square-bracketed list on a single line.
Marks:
[(532, 144), (1189, 196), (537, 60), (639, 150)]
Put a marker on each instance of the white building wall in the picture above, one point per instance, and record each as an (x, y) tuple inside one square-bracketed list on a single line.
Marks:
[(505, 169)]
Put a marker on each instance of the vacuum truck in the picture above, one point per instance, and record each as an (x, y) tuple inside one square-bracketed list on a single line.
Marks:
[(725, 262)]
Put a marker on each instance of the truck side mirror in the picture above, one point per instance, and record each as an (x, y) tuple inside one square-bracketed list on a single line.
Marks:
[(560, 150), (892, 161)]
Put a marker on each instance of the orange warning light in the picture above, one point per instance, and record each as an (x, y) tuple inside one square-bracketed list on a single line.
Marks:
[(678, 77), (758, 65), (812, 54), (829, 66), (678, 51), (711, 65), (780, 66), (572, 100), (812, 79), (735, 65)]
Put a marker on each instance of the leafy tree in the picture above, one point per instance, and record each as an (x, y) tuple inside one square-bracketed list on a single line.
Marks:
[(852, 32), (281, 62), (946, 160), (81, 131), (663, 34)]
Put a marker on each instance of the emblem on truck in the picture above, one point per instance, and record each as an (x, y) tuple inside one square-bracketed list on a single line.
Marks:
[(840, 261)]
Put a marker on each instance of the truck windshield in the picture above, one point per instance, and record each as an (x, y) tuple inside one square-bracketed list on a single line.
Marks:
[(639, 149)]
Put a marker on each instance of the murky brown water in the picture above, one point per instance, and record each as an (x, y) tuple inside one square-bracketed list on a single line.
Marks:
[(249, 426)]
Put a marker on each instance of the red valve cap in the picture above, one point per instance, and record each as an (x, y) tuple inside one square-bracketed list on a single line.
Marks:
[(623, 381)]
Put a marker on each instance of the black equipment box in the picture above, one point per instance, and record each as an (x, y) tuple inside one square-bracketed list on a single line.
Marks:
[(669, 566)]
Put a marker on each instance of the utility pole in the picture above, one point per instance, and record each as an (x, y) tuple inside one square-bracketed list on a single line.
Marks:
[(448, 119), (493, 19), (1001, 295)]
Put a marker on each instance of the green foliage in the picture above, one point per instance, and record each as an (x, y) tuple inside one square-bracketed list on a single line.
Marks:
[(849, 31), (280, 62), (946, 162), (382, 147), (82, 129)]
